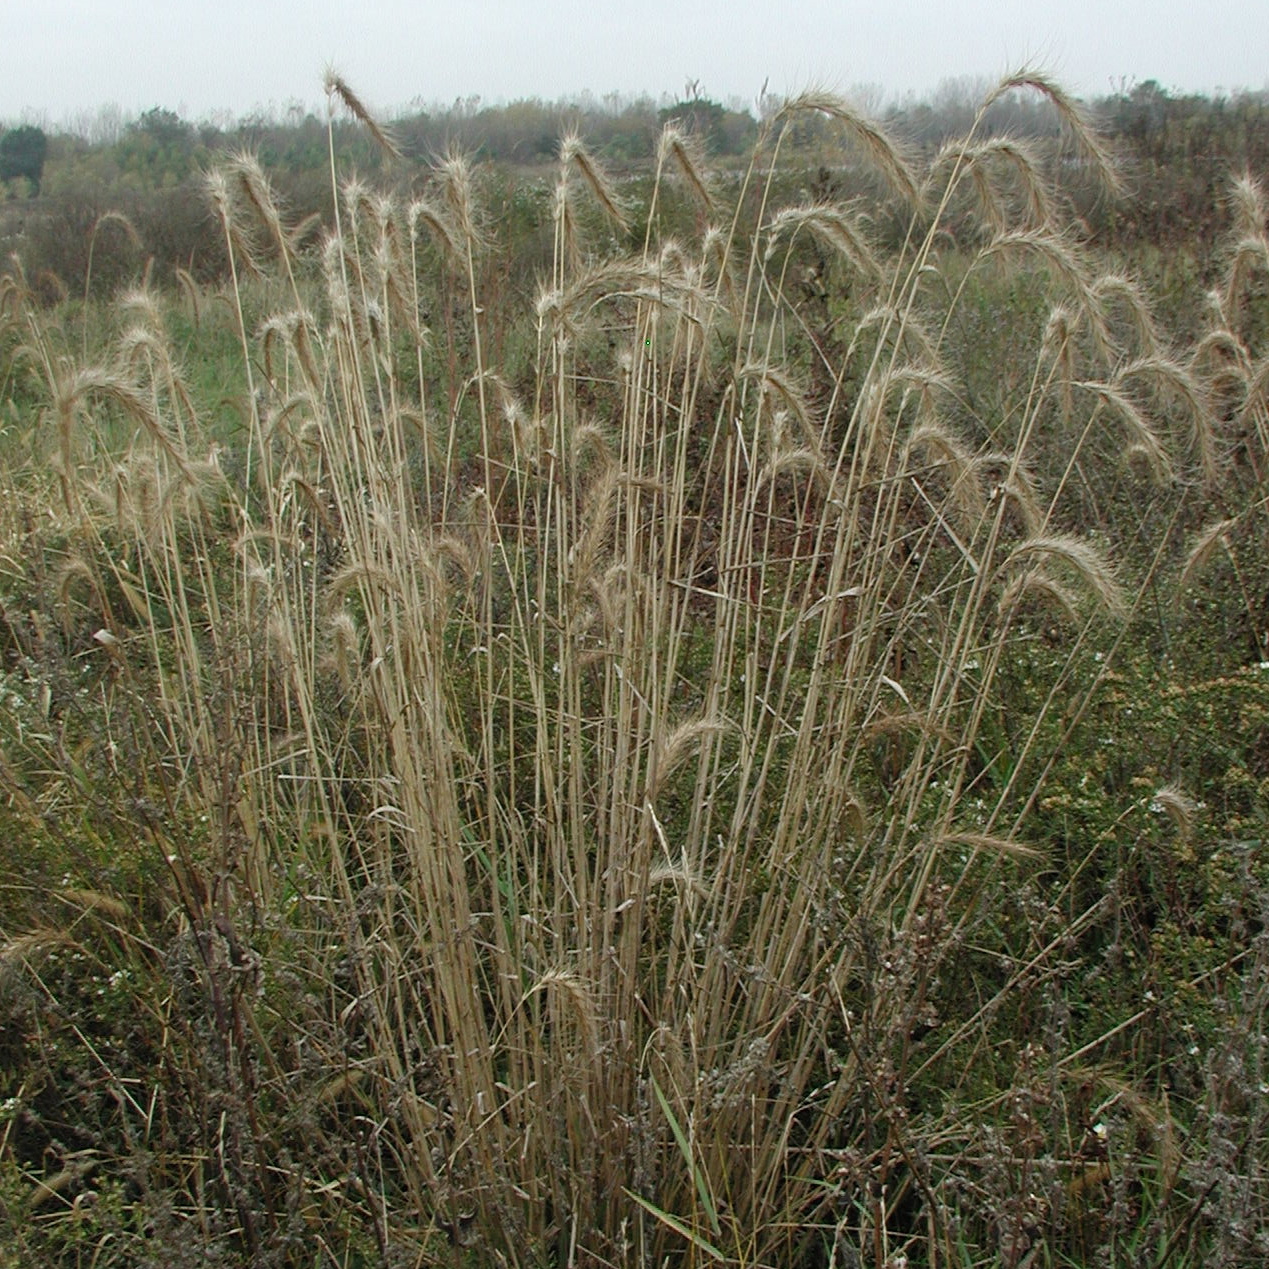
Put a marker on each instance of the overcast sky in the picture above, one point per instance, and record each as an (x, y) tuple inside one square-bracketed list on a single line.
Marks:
[(65, 58)]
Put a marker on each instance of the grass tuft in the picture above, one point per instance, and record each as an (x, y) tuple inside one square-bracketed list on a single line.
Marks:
[(600, 780)]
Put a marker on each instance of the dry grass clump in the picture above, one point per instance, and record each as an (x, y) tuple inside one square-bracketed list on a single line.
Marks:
[(593, 782)]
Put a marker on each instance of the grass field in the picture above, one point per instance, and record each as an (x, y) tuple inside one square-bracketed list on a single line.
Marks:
[(755, 753)]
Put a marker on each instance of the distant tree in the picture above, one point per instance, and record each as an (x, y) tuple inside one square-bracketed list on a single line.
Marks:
[(158, 148), (165, 126), (722, 131), (22, 153)]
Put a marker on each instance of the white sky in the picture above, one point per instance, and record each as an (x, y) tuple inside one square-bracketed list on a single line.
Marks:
[(63, 58)]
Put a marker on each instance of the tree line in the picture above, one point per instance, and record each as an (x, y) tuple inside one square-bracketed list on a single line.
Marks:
[(1178, 152)]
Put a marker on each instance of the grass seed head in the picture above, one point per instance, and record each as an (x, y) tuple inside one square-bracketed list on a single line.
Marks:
[(1018, 156), (677, 145), (831, 225), (95, 902), (1142, 434), (1205, 544), (675, 748), (567, 994), (258, 192), (1037, 583), (1181, 809), (457, 184), (1083, 559), (1247, 202), (574, 156), (242, 249), (1250, 256), (885, 153), (1073, 116), (798, 461), (1174, 383), (422, 213), (337, 87), (1118, 287), (935, 442)]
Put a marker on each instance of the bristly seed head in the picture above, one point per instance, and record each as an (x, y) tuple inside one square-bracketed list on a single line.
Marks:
[(335, 86)]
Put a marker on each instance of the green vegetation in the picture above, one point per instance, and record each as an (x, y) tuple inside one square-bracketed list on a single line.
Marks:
[(1178, 153), (22, 153), (680, 719)]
